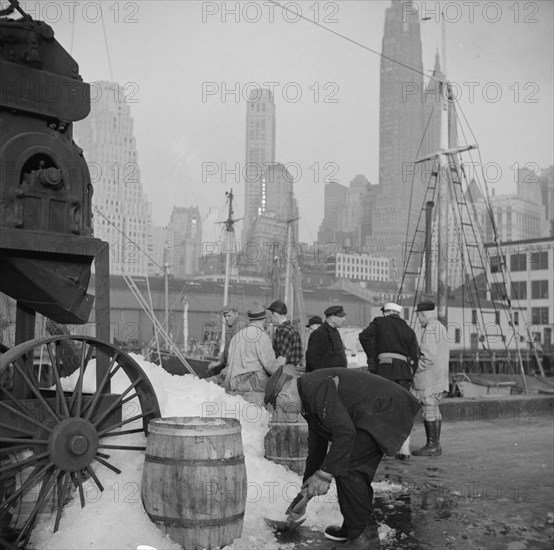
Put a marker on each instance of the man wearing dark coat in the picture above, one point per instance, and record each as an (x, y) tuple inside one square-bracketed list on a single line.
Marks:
[(353, 419), (391, 346), (392, 352), (325, 347)]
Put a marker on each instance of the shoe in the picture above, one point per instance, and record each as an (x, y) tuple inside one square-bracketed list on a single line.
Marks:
[(336, 533), (432, 447), (368, 540)]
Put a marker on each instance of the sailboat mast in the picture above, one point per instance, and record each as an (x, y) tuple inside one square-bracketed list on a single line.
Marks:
[(229, 242), (442, 242), (166, 293)]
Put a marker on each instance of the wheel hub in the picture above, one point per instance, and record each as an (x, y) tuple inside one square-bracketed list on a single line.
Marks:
[(73, 444)]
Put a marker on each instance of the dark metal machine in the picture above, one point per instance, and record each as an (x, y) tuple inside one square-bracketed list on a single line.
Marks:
[(54, 436)]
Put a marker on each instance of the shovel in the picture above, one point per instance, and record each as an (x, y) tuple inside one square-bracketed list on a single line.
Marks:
[(296, 514)]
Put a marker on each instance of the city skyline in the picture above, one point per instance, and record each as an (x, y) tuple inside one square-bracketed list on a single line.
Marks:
[(189, 119)]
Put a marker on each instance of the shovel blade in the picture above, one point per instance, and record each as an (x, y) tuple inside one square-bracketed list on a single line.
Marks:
[(287, 525)]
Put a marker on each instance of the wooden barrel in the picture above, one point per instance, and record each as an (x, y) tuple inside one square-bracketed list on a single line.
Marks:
[(194, 480), (286, 441)]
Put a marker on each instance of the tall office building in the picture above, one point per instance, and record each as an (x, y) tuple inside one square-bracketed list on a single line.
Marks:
[(184, 241), (121, 212), (260, 151), (400, 133)]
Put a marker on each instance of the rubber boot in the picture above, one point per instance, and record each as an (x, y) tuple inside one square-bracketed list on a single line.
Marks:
[(432, 447), (368, 540)]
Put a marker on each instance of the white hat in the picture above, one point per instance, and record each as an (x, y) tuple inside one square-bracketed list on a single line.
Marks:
[(391, 306)]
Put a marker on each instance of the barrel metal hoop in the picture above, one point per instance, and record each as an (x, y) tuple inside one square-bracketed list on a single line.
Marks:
[(196, 462), (181, 522), (281, 459)]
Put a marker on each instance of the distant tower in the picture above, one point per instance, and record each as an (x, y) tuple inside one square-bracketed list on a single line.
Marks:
[(121, 212), (184, 241), (260, 151), (400, 132)]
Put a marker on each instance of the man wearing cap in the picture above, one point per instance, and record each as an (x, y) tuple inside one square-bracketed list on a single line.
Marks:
[(251, 359), (230, 316), (286, 340), (325, 346), (314, 322), (391, 348), (353, 419), (431, 377)]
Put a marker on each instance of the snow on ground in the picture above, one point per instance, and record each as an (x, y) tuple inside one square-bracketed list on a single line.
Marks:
[(115, 518)]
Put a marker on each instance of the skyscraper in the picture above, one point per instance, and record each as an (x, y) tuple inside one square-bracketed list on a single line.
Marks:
[(260, 151), (400, 133), (121, 212), (184, 241)]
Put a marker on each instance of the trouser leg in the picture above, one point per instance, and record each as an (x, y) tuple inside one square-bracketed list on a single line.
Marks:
[(354, 489)]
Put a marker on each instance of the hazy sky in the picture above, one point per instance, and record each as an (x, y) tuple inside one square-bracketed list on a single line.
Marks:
[(188, 66)]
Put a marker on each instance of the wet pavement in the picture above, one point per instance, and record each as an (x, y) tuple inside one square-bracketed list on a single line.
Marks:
[(491, 489)]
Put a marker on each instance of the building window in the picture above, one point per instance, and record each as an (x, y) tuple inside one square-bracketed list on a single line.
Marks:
[(518, 262), (539, 290), (457, 335), (516, 318), (539, 315), (495, 264), (498, 291), (519, 290), (473, 316), (539, 260), (473, 338), (497, 317)]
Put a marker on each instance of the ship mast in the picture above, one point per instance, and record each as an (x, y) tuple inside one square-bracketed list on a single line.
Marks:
[(229, 244), (442, 199)]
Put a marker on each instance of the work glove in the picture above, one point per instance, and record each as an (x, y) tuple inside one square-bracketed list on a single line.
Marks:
[(318, 483)]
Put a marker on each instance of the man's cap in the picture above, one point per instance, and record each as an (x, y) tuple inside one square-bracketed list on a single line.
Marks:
[(256, 314), (228, 307), (275, 384), (391, 306), (426, 305), (337, 311), (278, 307), (315, 320)]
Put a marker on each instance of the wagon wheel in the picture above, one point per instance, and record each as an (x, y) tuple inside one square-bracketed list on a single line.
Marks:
[(53, 439)]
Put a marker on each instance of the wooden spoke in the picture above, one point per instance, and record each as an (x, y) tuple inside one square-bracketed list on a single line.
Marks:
[(122, 432), (79, 480), (77, 396), (47, 485), (17, 429), (19, 464), (97, 394), (123, 447), (63, 484), (36, 391), (92, 474), (28, 441), (29, 417), (35, 475), (119, 401), (107, 464), (127, 421), (56, 370)]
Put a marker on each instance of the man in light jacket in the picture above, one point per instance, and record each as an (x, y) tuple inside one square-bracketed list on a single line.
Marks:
[(431, 377), (251, 360)]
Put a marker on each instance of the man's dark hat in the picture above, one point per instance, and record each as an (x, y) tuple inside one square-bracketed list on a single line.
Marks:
[(337, 311), (278, 307), (275, 384), (315, 320), (256, 314), (426, 305)]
